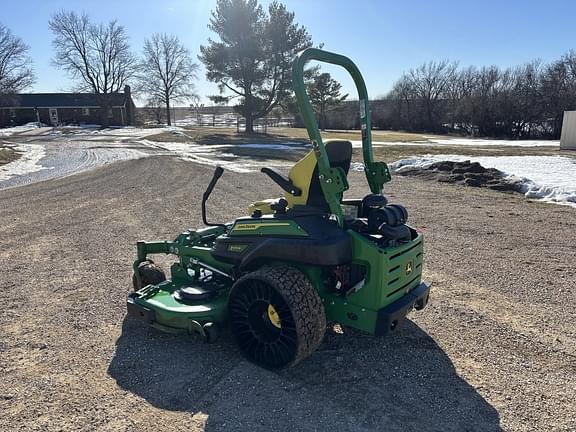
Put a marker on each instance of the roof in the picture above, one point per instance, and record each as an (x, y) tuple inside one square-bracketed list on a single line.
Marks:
[(58, 100)]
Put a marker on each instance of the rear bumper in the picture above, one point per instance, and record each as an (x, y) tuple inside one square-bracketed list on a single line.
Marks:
[(391, 317)]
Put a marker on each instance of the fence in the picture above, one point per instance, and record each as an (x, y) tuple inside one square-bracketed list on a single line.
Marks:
[(218, 118)]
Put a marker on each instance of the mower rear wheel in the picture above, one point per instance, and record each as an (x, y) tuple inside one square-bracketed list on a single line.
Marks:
[(277, 317), (150, 274)]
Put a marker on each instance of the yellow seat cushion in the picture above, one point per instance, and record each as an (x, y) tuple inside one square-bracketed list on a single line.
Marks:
[(301, 176)]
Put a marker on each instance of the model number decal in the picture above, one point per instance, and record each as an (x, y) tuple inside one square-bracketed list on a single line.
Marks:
[(237, 247)]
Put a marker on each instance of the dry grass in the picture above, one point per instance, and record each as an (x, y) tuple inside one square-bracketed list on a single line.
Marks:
[(354, 135), (388, 153), (7, 155), (215, 136), (395, 152)]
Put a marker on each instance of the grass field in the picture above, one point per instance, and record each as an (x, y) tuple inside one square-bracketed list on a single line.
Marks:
[(388, 153), (217, 136)]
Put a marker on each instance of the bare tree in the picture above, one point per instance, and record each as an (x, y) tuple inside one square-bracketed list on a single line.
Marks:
[(524, 108), (401, 100), (558, 83), (167, 71), (97, 56), (155, 108), (196, 106), (15, 64), (460, 94), (519, 102), (430, 83)]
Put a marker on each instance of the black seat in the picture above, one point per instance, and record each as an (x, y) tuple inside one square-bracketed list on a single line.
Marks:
[(339, 156)]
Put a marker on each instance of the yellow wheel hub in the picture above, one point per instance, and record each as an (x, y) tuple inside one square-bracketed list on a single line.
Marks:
[(273, 316)]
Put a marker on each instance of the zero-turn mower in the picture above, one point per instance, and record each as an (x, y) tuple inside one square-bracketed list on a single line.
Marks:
[(276, 276)]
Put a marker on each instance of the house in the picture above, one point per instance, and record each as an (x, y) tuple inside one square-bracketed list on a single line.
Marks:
[(114, 109)]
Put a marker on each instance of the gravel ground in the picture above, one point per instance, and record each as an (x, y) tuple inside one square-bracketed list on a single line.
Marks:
[(494, 350)]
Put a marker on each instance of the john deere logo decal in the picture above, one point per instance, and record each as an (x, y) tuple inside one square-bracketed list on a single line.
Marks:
[(408, 268), (253, 227)]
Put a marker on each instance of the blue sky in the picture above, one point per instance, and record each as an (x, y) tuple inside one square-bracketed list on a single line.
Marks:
[(384, 38)]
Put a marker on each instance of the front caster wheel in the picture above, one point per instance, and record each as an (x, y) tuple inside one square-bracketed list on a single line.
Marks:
[(150, 274), (277, 317)]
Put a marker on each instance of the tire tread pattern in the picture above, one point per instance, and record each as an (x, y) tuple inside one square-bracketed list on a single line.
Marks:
[(304, 303), (150, 273)]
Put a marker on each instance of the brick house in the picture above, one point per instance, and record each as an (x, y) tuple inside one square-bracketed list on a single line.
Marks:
[(114, 109)]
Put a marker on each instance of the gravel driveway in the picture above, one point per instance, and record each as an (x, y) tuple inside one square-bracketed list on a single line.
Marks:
[(61, 154), (494, 350)]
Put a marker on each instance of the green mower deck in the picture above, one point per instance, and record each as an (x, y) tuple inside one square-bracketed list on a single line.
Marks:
[(277, 276)]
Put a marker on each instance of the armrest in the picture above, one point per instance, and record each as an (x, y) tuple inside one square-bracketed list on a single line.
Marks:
[(282, 181)]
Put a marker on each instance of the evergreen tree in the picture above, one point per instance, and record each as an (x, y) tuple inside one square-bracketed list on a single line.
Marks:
[(251, 61), (324, 93)]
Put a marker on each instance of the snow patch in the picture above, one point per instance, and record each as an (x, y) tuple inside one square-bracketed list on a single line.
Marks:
[(433, 141), (27, 163), (211, 155), (17, 129), (494, 142), (547, 178), (176, 130), (286, 146), (115, 131), (358, 143)]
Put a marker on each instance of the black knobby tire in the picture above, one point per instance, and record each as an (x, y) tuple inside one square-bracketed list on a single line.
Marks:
[(300, 318), (150, 273)]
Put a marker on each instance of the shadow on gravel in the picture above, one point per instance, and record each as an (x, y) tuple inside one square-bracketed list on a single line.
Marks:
[(354, 382), (172, 372)]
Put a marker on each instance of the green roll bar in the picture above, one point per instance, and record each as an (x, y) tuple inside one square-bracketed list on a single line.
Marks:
[(333, 180)]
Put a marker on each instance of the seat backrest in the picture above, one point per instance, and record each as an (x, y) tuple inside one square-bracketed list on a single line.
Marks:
[(304, 174)]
